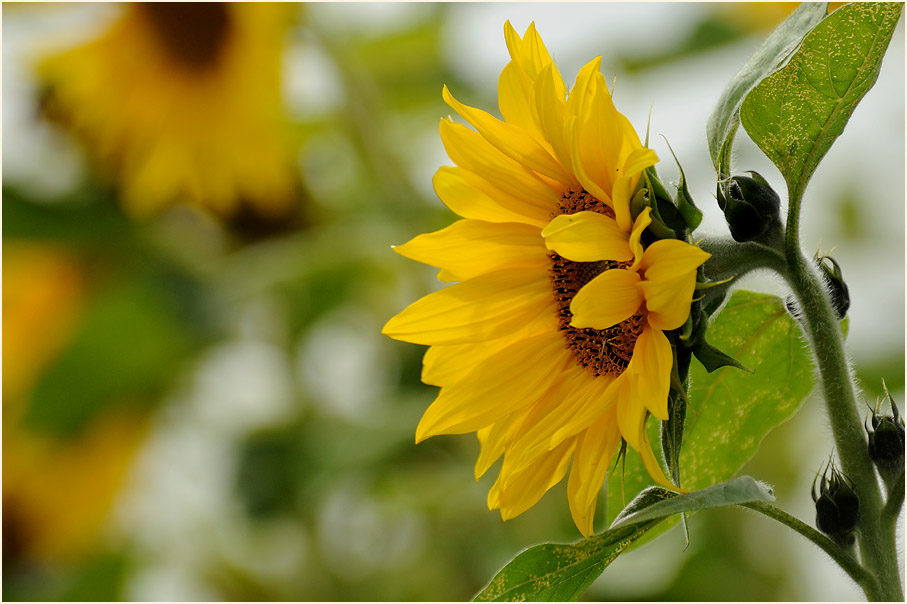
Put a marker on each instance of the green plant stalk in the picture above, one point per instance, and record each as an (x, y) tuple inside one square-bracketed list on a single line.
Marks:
[(862, 577), (877, 543)]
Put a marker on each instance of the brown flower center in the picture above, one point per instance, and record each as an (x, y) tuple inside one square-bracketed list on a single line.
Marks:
[(601, 351), (192, 32)]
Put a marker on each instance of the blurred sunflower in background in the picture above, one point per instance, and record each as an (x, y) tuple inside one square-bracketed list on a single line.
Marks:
[(181, 103), (551, 346)]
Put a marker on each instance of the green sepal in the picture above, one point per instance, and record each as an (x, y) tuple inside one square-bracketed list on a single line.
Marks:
[(707, 285), (672, 432), (712, 358), (660, 227), (686, 330), (683, 200)]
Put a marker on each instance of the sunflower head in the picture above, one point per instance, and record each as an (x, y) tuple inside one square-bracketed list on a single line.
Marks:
[(554, 344), (180, 103)]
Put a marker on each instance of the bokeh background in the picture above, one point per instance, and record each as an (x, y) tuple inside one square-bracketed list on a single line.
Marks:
[(197, 400)]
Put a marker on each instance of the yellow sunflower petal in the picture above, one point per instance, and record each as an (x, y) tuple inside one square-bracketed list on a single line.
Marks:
[(639, 160), (593, 454), (444, 365), (587, 237), (602, 400), (508, 381), (472, 197), (493, 439), (568, 393), (670, 278), (528, 52), (482, 308), (469, 150), (651, 372), (469, 248), (642, 221), (608, 299), (511, 140), (549, 109), (651, 462), (630, 413), (514, 90), (599, 136), (521, 491), (621, 210)]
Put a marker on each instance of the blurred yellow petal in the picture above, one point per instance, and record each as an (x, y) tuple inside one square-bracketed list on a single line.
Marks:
[(182, 102)]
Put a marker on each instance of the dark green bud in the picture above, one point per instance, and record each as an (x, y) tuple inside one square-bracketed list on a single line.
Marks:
[(886, 443), (751, 207), (837, 289), (837, 506)]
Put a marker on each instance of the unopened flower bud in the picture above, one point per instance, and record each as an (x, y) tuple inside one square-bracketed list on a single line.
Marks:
[(837, 506), (751, 207), (886, 443), (837, 289)]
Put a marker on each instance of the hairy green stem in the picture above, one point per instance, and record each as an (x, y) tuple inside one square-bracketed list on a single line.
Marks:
[(877, 543), (731, 260), (867, 582), (892, 508)]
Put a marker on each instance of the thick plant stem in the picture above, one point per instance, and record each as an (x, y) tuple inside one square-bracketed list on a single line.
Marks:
[(867, 582), (877, 543)]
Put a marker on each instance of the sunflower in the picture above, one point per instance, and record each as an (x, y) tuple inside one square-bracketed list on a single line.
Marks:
[(181, 102), (551, 346)]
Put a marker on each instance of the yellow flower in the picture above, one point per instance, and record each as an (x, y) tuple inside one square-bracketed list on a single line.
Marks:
[(181, 102), (551, 346)]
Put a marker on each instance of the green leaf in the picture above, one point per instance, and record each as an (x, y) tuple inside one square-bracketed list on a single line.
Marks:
[(730, 410), (560, 572), (796, 114), (742, 489), (722, 124)]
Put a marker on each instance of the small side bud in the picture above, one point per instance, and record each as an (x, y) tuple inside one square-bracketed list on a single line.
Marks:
[(837, 289), (837, 506), (751, 207), (886, 442)]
